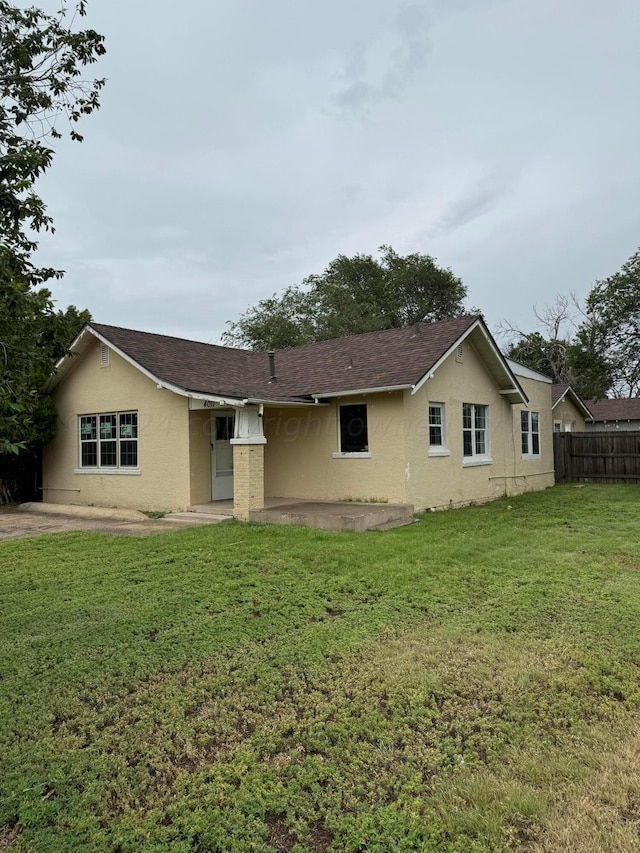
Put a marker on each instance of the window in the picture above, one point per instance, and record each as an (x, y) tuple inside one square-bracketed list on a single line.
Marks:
[(474, 431), (224, 428), (530, 433), (109, 440), (353, 429), (437, 434), (557, 426)]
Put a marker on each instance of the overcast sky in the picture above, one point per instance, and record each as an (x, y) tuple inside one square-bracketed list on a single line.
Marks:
[(243, 145)]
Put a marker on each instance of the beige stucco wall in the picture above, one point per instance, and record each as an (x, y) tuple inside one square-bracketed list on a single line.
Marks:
[(444, 481), (163, 439), (299, 459), (200, 456), (538, 473), (568, 413)]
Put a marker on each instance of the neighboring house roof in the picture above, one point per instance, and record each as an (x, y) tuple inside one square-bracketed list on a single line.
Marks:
[(618, 409), (563, 391), (373, 361)]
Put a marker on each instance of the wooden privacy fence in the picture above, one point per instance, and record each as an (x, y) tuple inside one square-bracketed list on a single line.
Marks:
[(604, 457)]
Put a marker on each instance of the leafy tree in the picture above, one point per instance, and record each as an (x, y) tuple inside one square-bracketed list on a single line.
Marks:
[(548, 356), (613, 309), (41, 86), (561, 351), (42, 58), (27, 416), (356, 294)]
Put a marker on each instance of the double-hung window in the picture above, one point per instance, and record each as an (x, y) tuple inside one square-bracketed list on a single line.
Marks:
[(475, 435), (530, 433), (109, 441), (437, 430)]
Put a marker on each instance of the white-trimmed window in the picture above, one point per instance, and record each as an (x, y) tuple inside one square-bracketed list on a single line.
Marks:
[(530, 433), (475, 432), (109, 440), (353, 429), (437, 430), (557, 426)]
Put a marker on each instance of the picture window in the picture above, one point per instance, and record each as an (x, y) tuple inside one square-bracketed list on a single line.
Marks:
[(354, 433)]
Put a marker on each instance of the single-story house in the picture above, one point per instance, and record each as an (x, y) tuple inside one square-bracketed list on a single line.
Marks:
[(570, 412), (431, 415), (618, 414)]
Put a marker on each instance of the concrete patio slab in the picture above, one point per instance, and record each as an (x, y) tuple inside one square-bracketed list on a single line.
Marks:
[(337, 516), (325, 515), (38, 519)]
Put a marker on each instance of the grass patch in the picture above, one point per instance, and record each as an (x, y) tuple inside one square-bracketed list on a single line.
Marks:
[(467, 683)]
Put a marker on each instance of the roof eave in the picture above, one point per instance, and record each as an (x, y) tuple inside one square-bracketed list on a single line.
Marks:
[(513, 391), (380, 389), (61, 370), (283, 404), (64, 364), (577, 401)]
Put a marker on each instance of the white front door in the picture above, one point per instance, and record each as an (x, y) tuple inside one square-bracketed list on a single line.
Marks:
[(221, 457)]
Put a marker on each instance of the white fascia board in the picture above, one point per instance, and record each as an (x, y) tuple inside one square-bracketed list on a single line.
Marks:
[(53, 380), (582, 406), (560, 399), (223, 402), (477, 325), (527, 372), (74, 343), (587, 411), (381, 390), (577, 402), (454, 346), (283, 404)]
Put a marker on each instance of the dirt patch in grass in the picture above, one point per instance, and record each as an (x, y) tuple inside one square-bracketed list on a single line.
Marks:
[(8, 837), (605, 818)]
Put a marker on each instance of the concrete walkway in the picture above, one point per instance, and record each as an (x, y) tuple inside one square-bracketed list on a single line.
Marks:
[(37, 519)]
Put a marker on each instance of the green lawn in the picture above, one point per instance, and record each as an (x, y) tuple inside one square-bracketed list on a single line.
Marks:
[(468, 683)]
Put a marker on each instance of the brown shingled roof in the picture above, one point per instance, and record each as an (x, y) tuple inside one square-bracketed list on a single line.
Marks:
[(619, 409), (193, 366), (393, 357), (558, 391)]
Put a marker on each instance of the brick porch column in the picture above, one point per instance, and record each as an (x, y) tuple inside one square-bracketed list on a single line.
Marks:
[(248, 462)]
